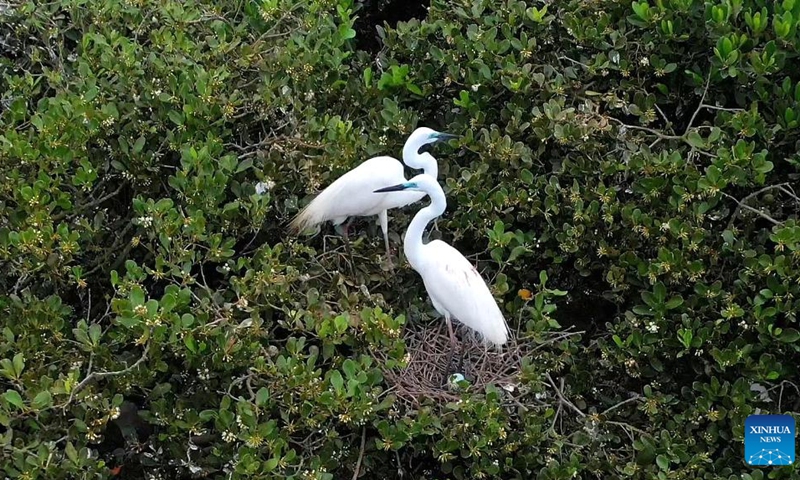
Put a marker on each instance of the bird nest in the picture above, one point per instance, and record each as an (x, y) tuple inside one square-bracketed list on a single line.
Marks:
[(428, 350)]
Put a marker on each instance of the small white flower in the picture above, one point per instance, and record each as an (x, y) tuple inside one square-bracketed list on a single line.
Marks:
[(263, 187), (644, 61), (476, 87)]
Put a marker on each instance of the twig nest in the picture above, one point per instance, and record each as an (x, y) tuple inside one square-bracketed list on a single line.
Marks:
[(474, 365)]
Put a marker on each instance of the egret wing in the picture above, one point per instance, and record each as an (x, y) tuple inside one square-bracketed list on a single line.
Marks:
[(455, 285), (352, 194)]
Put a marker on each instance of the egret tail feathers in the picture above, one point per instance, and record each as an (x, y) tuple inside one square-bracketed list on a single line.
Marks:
[(496, 336), (306, 218), (320, 210)]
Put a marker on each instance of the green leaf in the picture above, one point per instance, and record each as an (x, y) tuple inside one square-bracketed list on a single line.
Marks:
[(42, 399), (137, 296), (71, 452), (188, 340), (176, 117), (91, 93), (95, 332), (230, 206), (349, 368), (695, 140), (244, 165), (660, 292), (790, 335), (187, 319), (13, 397), (138, 145), (129, 322), (516, 252), (270, 464), (346, 32), (337, 381), (674, 302), (341, 323), (663, 462), (262, 396), (367, 76), (19, 364)]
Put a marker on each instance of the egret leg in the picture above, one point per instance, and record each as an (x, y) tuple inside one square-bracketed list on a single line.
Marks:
[(453, 343), (460, 364), (343, 230), (383, 217)]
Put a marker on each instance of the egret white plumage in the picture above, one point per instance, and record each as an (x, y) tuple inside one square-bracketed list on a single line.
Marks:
[(455, 287), (351, 194)]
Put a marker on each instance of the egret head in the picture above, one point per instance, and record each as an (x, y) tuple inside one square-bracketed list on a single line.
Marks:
[(414, 151), (426, 136)]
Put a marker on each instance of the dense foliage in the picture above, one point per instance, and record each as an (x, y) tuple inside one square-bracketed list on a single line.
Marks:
[(160, 323)]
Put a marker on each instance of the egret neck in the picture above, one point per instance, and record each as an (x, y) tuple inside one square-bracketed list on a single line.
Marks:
[(424, 161), (412, 242)]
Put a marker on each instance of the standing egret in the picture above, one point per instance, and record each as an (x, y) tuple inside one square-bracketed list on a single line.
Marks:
[(351, 194), (455, 287)]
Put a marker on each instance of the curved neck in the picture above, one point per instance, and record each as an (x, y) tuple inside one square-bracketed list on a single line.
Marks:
[(424, 161), (412, 242)]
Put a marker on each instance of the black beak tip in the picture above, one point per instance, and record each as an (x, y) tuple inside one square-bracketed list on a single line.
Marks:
[(448, 136), (393, 188)]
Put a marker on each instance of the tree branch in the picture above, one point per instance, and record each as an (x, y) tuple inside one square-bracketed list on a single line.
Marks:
[(700, 106), (648, 130), (361, 452), (743, 203), (614, 407), (562, 398), (98, 375), (91, 204)]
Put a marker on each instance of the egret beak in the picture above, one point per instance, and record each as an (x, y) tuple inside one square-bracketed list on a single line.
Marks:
[(443, 137), (393, 188)]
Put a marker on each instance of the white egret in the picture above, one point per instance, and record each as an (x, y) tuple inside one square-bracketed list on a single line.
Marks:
[(455, 287), (351, 194)]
